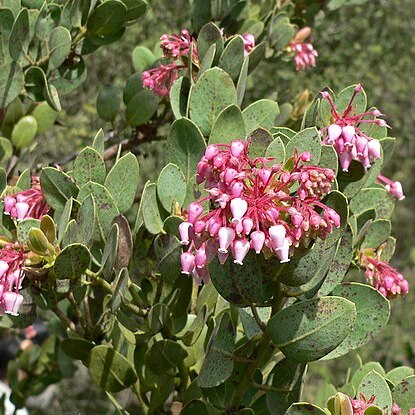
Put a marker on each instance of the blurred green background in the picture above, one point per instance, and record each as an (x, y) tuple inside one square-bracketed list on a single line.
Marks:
[(372, 44)]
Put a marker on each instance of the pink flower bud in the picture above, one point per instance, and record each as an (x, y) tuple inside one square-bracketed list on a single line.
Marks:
[(213, 226), (283, 251), (237, 148), (358, 88), (12, 302), (188, 262), (325, 94), (348, 134), (212, 151), (395, 189), (376, 113), (277, 235), (345, 160), (184, 232), (195, 210), (247, 225), (264, 174), (240, 248), (237, 188), (226, 236), (296, 219), (306, 156), (404, 285), (200, 226), (238, 208), (21, 210), (230, 175), (334, 217), (374, 148), (4, 267), (257, 241), (9, 203), (273, 213), (201, 257), (361, 145), (218, 161)]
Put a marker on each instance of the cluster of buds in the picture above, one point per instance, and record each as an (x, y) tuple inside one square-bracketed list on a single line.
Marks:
[(177, 48), (360, 404), (27, 204), (304, 53), (12, 260), (249, 43), (346, 137), (254, 205), (386, 279), (393, 188)]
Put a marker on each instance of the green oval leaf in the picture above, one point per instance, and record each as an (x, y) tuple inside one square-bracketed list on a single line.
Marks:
[(20, 35), (107, 18), (185, 146), (72, 262), (213, 92), (310, 329), (404, 394), (141, 108), (368, 323), (11, 83), (59, 46), (151, 210), (24, 132), (373, 384), (108, 103), (261, 113), (57, 187), (88, 166), (306, 140), (122, 181), (171, 187), (45, 117), (229, 126), (218, 365), (110, 369)]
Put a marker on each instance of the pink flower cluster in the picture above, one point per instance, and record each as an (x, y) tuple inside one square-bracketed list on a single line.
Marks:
[(304, 53), (253, 205), (249, 43), (27, 204), (177, 47), (386, 279), (393, 188), (360, 404), (161, 78), (346, 137), (12, 259)]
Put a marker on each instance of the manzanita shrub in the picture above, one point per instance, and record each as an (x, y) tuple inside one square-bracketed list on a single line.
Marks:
[(255, 250)]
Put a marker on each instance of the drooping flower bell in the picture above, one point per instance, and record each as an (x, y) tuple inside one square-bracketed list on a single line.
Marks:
[(393, 188), (386, 279), (304, 53), (176, 47), (29, 203), (12, 260), (253, 205), (346, 136)]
